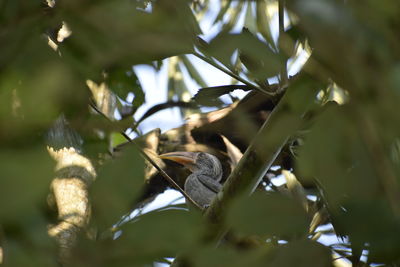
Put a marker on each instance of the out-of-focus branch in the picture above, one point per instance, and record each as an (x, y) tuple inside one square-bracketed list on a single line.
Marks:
[(283, 122), (382, 165), (69, 188), (281, 14)]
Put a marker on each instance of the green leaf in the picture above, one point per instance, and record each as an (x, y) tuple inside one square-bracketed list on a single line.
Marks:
[(122, 81), (26, 241), (227, 256), (222, 11), (194, 74), (269, 215), (249, 21), (256, 55), (116, 187), (24, 183), (379, 228), (302, 253), (117, 139), (148, 238), (106, 34), (209, 96), (164, 232), (263, 21), (35, 88), (337, 158)]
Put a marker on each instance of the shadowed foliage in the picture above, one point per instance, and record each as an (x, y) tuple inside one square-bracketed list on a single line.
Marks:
[(310, 149)]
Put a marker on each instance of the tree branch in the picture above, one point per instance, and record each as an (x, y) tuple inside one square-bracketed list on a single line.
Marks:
[(69, 188), (281, 14), (282, 123)]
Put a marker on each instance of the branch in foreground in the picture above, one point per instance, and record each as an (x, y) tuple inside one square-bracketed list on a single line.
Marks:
[(69, 188), (282, 123)]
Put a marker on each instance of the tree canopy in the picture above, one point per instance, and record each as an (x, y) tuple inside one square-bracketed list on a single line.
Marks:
[(310, 153)]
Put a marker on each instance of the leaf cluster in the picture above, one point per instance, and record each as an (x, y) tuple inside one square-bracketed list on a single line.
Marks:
[(324, 164)]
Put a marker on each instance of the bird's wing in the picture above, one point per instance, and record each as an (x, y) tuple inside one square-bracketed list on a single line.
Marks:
[(210, 183)]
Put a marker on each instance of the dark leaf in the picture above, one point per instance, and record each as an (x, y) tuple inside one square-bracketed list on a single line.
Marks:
[(116, 187), (269, 215), (122, 82), (209, 96)]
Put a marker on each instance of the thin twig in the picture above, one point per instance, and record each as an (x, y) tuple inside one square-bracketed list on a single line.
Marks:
[(147, 157), (233, 75), (162, 172), (281, 14)]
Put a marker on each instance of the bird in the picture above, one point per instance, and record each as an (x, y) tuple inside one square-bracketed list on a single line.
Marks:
[(203, 184)]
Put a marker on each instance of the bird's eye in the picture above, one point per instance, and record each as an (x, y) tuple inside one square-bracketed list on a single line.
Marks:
[(203, 157)]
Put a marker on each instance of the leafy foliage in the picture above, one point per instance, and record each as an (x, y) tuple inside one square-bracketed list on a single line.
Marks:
[(333, 141)]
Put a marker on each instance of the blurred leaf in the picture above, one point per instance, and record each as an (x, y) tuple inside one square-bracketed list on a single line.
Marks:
[(257, 56), (336, 26), (105, 100), (249, 21), (338, 159), (168, 104), (209, 96), (17, 35), (102, 33), (302, 253), (122, 82), (222, 11), (28, 244), (103, 125), (148, 238), (117, 185), (194, 74), (34, 92), (234, 11), (295, 188), (234, 152), (269, 215), (117, 139), (263, 20), (371, 222), (177, 88), (226, 256), (26, 175), (164, 232)]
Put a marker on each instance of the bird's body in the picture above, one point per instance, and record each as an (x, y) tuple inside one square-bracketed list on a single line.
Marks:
[(200, 191), (203, 184)]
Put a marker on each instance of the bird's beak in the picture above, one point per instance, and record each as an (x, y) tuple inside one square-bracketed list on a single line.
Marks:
[(187, 159)]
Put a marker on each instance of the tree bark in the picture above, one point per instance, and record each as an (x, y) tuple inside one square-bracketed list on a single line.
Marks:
[(69, 188)]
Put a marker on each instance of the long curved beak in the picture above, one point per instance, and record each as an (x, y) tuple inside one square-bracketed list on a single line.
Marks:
[(187, 159)]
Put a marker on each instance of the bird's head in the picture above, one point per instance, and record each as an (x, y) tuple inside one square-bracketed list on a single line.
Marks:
[(197, 162)]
